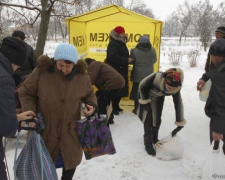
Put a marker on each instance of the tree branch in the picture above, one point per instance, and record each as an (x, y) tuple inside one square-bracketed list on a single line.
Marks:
[(20, 6)]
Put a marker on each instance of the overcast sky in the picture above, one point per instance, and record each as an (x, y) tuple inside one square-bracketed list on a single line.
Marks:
[(163, 8)]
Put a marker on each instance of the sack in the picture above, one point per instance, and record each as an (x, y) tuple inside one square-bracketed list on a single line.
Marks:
[(204, 93), (95, 136), (34, 161), (214, 167), (169, 148)]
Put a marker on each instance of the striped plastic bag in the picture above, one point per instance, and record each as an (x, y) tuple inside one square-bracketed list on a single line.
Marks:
[(34, 161)]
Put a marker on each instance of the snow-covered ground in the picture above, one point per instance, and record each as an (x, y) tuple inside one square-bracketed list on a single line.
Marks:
[(131, 162)]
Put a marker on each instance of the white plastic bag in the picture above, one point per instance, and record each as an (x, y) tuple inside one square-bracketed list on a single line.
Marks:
[(214, 167), (169, 148), (204, 93)]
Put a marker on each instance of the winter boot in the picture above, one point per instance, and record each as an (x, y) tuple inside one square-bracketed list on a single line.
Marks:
[(155, 132), (149, 146), (110, 121)]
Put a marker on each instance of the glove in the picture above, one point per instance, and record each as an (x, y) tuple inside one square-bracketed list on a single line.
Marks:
[(176, 130)]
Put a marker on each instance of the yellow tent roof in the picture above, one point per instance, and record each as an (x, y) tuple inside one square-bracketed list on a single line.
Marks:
[(89, 32), (111, 10)]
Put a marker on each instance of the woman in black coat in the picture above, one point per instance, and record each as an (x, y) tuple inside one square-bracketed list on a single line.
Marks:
[(118, 58)]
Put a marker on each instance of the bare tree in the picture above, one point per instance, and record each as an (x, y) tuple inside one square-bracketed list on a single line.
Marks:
[(220, 14), (33, 10), (140, 7), (204, 16), (101, 3), (183, 17), (137, 6), (170, 26)]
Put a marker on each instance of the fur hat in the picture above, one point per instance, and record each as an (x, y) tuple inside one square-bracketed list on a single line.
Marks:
[(119, 30), (14, 49), (143, 39), (221, 29), (66, 51), (217, 48), (172, 78), (19, 34)]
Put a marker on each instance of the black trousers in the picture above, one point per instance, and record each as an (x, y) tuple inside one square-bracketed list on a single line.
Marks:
[(150, 132), (68, 174), (115, 103), (104, 97)]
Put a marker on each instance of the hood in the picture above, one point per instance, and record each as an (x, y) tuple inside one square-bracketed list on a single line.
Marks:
[(117, 37), (46, 63)]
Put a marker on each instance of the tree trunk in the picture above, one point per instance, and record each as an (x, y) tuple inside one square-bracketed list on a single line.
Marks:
[(42, 33)]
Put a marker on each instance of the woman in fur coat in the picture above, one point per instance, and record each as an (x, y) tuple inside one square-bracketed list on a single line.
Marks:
[(56, 88), (152, 92), (118, 58)]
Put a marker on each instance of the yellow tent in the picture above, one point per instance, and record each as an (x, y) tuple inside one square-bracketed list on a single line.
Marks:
[(89, 32)]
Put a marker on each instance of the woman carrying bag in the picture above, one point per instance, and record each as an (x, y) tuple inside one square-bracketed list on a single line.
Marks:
[(56, 88)]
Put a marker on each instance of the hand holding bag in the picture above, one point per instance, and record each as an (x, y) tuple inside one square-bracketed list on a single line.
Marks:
[(169, 148), (95, 136), (204, 93), (34, 161), (214, 167)]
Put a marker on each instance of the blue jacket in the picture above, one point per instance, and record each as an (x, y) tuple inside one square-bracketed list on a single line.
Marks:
[(8, 119)]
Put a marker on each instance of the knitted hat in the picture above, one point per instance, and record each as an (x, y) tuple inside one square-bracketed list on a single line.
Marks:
[(172, 78), (217, 48), (119, 30), (143, 39), (14, 49), (221, 29), (19, 34), (66, 51)]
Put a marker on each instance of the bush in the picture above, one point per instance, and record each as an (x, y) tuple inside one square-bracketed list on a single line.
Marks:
[(192, 57), (175, 57)]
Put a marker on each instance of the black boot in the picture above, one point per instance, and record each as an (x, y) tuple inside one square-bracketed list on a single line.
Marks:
[(110, 121), (149, 146), (155, 132)]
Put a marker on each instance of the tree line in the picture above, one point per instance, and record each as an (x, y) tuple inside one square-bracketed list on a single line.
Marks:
[(195, 20), (45, 19)]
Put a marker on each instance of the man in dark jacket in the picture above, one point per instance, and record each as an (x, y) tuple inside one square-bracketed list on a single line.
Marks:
[(22, 72), (215, 107), (108, 81), (31, 60), (219, 33), (118, 57), (210, 68), (12, 56)]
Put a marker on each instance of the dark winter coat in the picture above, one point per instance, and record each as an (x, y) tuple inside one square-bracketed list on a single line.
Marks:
[(152, 87), (117, 57), (215, 106), (59, 98), (144, 60), (144, 56), (8, 119), (105, 77)]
